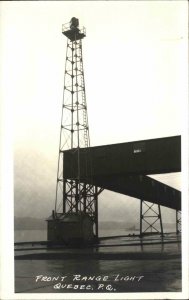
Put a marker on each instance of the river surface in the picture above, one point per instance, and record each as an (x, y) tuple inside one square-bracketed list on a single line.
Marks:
[(146, 274), (41, 235)]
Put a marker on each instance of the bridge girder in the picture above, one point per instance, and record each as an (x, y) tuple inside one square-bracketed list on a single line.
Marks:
[(141, 187), (122, 168)]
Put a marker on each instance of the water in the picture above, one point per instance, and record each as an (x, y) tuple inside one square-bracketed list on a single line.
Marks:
[(30, 235), (41, 235), (156, 275)]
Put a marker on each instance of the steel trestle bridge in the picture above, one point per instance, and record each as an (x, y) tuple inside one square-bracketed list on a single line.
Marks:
[(85, 171)]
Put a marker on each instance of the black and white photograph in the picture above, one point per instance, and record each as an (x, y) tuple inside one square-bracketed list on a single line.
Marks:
[(94, 173)]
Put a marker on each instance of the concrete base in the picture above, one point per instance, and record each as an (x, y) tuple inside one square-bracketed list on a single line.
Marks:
[(70, 229)]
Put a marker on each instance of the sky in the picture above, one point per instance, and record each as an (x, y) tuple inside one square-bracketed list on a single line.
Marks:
[(135, 64)]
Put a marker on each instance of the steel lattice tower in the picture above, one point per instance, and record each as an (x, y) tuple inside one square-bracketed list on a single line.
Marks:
[(72, 195)]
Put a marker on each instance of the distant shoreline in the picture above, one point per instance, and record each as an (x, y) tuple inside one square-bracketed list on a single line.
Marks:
[(40, 224)]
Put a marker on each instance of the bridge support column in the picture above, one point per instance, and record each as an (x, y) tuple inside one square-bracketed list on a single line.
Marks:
[(96, 212), (150, 218), (178, 222)]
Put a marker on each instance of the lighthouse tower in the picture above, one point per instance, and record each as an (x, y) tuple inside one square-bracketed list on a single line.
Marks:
[(75, 217)]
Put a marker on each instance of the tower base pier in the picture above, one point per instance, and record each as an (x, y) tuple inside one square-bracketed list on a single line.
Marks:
[(70, 229)]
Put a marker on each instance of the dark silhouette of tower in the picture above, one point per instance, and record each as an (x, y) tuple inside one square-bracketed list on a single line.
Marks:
[(76, 201)]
